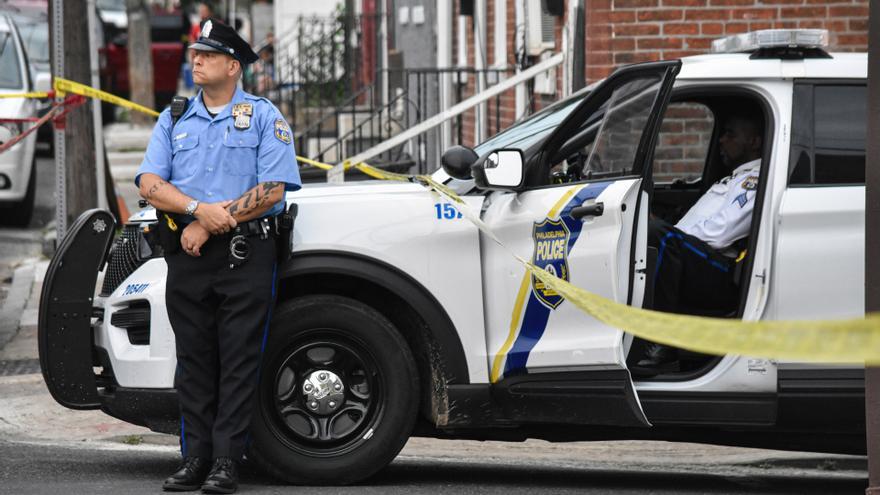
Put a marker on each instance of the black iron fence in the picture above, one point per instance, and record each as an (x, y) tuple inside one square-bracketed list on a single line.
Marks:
[(327, 79)]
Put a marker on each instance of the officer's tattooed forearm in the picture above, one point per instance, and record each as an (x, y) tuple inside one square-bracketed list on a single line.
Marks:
[(158, 185), (256, 200)]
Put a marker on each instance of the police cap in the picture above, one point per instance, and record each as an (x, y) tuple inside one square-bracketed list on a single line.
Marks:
[(218, 37)]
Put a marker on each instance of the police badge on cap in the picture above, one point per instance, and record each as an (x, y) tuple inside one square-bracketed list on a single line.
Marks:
[(218, 37)]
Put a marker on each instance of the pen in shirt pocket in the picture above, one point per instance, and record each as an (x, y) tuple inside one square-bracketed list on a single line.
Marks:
[(225, 136)]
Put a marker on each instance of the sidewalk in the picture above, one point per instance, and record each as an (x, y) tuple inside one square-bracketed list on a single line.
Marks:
[(28, 412)]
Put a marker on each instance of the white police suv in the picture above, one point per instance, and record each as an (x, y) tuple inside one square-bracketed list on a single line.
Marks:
[(396, 316)]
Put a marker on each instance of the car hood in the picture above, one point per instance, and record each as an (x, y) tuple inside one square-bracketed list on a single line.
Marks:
[(14, 108), (323, 191)]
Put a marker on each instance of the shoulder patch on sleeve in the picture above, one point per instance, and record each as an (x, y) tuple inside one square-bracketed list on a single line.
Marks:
[(750, 183), (282, 131)]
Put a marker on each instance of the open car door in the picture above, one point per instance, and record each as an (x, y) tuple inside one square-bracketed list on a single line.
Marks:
[(580, 212)]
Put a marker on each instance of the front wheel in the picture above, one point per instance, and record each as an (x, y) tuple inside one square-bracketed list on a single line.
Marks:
[(338, 392)]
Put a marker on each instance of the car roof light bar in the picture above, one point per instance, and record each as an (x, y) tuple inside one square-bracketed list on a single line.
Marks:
[(765, 39)]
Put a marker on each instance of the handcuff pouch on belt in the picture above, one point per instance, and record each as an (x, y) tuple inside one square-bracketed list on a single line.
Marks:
[(240, 244), (281, 226)]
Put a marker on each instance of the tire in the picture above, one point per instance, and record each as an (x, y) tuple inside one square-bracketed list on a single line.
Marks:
[(19, 213), (379, 389)]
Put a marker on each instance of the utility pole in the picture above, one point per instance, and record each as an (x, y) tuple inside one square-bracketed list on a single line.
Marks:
[(872, 242), (140, 59), (75, 151)]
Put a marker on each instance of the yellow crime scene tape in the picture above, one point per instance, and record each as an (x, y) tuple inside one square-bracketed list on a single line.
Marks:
[(851, 341), (63, 86), (33, 94), (838, 341)]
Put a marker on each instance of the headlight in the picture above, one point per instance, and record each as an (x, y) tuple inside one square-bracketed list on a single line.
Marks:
[(148, 241), (9, 130)]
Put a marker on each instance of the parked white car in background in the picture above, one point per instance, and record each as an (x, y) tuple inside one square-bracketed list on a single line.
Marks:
[(17, 165)]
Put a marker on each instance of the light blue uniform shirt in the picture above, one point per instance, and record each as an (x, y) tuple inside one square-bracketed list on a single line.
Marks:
[(210, 160)]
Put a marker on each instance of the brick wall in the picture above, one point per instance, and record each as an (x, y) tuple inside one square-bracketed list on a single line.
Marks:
[(683, 142), (500, 111), (629, 31), (621, 32)]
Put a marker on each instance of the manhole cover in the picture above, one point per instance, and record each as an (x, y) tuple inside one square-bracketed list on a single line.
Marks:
[(19, 367)]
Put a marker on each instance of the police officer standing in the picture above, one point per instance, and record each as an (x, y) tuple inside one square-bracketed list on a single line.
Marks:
[(216, 173)]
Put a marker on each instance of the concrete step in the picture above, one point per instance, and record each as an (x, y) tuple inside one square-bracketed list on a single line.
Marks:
[(124, 164), (119, 137), (124, 173), (125, 157)]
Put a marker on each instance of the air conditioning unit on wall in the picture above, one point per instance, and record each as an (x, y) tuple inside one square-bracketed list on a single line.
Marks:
[(545, 82), (541, 18)]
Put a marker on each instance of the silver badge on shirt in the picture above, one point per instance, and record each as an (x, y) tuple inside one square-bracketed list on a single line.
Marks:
[(242, 113)]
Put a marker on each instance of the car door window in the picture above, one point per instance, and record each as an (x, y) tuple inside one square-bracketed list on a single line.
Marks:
[(605, 143), (828, 135), (10, 70)]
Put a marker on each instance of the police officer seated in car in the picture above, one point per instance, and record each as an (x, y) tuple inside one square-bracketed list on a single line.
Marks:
[(696, 257)]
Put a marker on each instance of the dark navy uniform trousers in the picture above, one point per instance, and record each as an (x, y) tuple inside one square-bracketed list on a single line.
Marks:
[(690, 277), (220, 316)]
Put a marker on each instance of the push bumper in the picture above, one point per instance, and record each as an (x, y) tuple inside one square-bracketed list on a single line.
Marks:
[(66, 311)]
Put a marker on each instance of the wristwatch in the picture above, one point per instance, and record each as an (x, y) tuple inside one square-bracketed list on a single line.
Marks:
[(191, 207)]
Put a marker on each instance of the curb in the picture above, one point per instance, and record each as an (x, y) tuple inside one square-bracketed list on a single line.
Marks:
[(16, 300), (819, 462)]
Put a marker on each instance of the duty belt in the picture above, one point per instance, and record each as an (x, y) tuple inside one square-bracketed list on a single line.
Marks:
[(240, 247), (258, 226)]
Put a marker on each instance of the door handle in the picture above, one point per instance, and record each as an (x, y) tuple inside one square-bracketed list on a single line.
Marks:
[(593, 210)]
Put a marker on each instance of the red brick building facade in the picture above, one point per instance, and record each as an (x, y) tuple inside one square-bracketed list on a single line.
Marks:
[(621, 32)]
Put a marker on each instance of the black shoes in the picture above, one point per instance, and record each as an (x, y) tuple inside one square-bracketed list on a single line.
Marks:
[(223, 477), (658, 359), (189, 475)]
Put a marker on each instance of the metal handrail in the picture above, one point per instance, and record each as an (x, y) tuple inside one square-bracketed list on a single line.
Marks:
[(453, 112), (357, 130), (338, 110)]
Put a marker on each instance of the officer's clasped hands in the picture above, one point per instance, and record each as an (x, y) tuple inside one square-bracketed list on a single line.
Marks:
[(193, 238), (215, 218)]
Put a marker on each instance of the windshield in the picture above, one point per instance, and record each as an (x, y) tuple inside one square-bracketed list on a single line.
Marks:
[(111, 4), (531, 130), (10, 71), (35, 35), (521, 135)]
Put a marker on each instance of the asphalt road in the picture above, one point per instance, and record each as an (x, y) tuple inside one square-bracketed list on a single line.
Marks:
[(51, 469)]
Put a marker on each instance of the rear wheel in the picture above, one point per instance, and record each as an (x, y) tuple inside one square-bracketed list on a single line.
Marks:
[(338, 392)]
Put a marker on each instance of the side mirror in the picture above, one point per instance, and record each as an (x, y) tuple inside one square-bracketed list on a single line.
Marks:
[(43, 82), (457, 162), (500, 169)]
